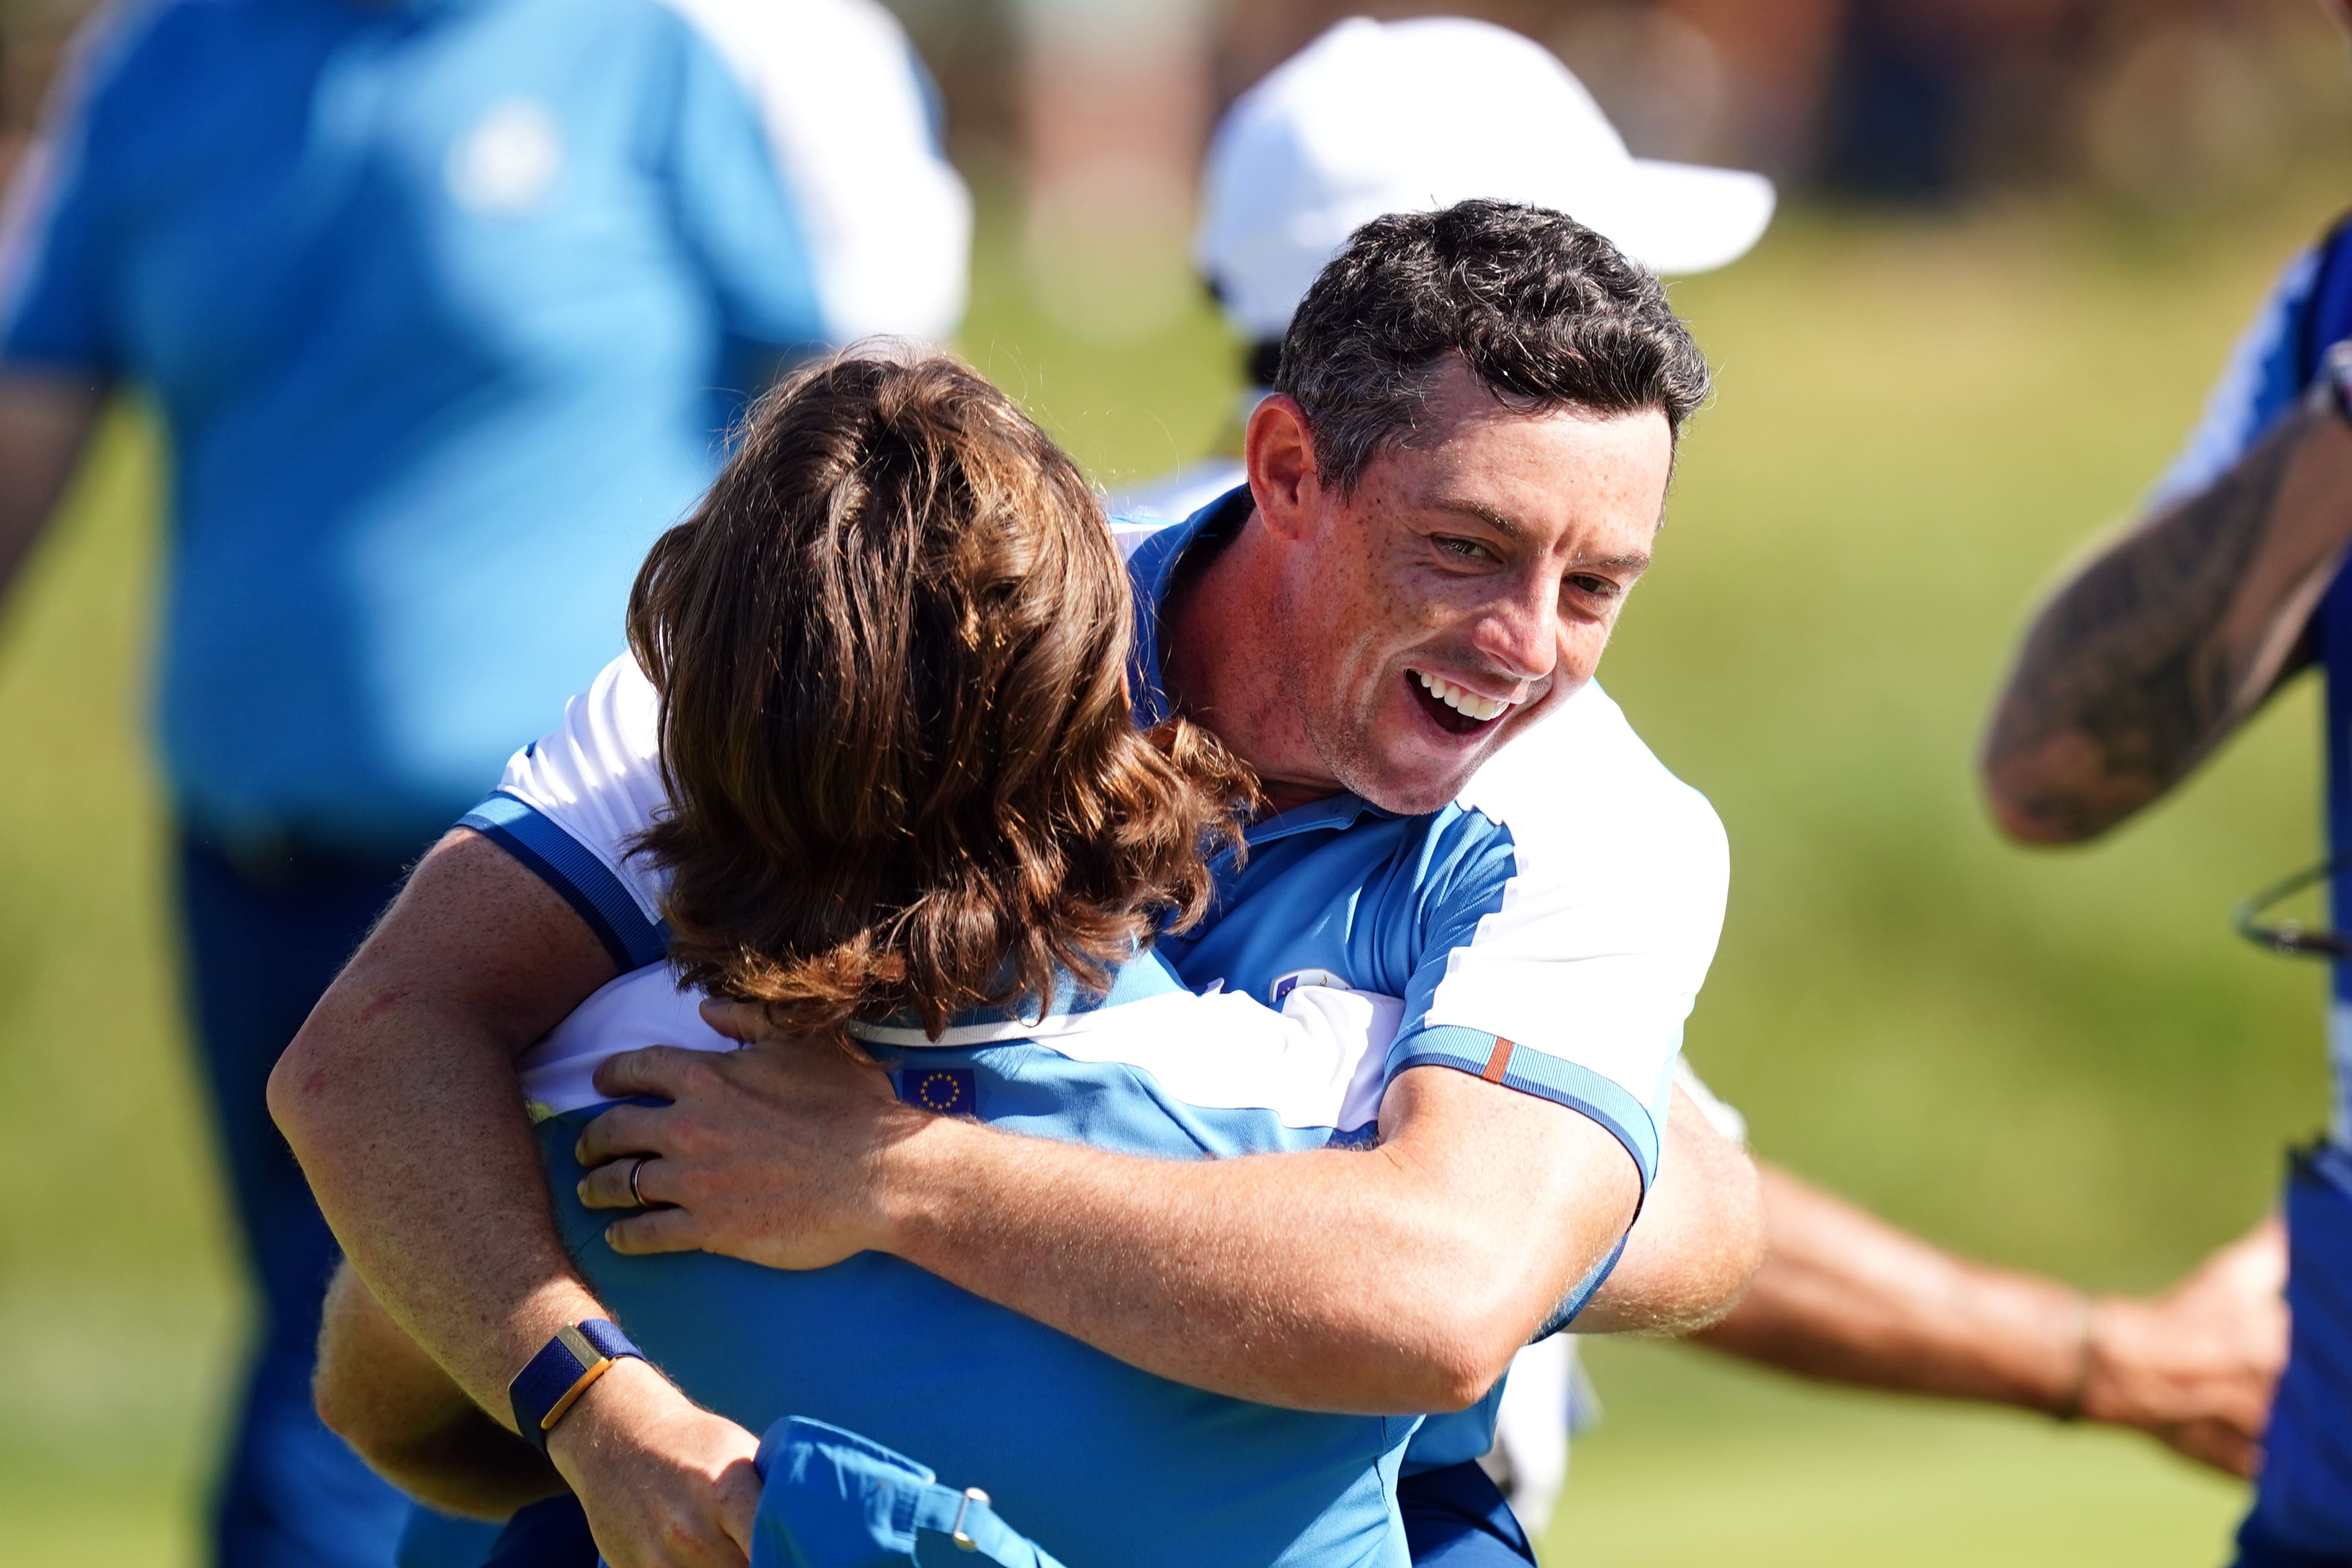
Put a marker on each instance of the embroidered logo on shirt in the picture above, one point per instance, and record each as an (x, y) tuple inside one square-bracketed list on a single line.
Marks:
[(508, 163), (946, 1090), (1286, 983)]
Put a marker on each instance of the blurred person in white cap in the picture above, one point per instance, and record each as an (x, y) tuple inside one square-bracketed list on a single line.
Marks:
[(1373, 117), (1382, 117)]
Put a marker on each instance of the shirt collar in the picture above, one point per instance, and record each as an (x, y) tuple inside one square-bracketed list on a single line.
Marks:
[(1151, 569)]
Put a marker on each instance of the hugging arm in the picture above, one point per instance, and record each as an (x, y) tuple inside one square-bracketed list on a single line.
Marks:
[(407, 1419), (400, 1098), (2151, 654), (1398, 1279), (1698, 1240)]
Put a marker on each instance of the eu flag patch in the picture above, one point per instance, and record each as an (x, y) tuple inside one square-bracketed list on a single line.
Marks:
[(946, 1090)]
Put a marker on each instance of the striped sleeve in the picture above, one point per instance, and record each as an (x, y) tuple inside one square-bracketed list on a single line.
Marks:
[(571, 805), (1579, 899)]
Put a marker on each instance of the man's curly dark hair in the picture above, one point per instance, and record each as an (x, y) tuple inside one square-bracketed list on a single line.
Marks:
[(1544, 311)]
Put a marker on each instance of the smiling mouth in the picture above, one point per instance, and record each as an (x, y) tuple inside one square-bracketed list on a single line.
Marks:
[(1451, 708)]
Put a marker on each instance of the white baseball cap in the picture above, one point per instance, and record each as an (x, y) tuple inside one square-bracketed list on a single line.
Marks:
[(1382, 117)]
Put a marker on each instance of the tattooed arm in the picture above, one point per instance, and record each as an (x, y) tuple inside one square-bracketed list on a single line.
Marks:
[(2149, 656)]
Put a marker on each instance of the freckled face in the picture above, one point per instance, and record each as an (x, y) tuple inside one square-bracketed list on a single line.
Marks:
[(1468, 584)]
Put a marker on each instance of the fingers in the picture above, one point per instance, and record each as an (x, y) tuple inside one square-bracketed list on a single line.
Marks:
[(632, 1181), (749, 1022), (625, 1130), (656, 1072), (744, 1021), (654, 1230)]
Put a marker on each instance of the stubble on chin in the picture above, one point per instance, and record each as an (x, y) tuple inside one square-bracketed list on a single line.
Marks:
[(1347, 742)]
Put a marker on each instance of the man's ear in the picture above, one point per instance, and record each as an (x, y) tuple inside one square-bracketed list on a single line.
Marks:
[(1280, 454)]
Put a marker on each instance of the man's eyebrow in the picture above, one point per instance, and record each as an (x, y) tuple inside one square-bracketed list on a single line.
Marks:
[(1636, 561), (1483, 514)]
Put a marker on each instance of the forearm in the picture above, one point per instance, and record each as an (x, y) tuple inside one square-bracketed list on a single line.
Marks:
[(1699, 1239), (1845, 1297), (431, 1181), (399, 1097), (378, 1391), (1366, 1281), (2152, 654), (1322, 1307)]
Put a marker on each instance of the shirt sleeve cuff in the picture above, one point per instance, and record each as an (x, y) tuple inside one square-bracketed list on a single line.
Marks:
[(1546, 1077), (587, 884)]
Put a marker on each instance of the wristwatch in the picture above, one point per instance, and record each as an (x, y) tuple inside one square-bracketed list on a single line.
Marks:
[(554, 1379)]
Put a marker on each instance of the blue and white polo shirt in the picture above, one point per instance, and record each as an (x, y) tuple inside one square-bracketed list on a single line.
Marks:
[(1549, 930)]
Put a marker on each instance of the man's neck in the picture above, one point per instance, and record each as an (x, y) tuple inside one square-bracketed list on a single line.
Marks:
[(1221, 665)]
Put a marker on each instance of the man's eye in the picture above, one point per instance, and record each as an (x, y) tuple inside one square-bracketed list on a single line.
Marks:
[(1599, 588), (1461, 548)]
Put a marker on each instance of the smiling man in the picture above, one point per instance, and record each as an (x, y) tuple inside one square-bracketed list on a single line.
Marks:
[(1396, 624), (1460, 597)]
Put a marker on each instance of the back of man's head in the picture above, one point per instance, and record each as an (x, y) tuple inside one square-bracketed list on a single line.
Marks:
[(890, 647), (1544, 311)]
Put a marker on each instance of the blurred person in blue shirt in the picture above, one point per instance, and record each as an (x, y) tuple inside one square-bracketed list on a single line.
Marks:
[(445, 306), (2150, 656), (1372, 118)]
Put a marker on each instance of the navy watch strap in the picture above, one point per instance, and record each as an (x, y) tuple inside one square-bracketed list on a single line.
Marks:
[(560, 1373)]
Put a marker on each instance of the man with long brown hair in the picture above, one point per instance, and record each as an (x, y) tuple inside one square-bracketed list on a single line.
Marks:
[(1395, 626)]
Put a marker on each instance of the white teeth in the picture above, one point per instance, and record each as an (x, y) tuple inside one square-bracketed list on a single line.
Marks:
[(1455, 697)]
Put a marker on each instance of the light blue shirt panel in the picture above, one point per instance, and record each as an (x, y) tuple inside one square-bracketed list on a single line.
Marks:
[(420, 446), (1099, 1461), (2257, 386)]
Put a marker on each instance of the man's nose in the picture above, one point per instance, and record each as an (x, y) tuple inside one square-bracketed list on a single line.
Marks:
[(1520, 632)]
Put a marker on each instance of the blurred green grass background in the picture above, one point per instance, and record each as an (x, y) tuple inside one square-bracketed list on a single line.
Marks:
[(2060, 1061)]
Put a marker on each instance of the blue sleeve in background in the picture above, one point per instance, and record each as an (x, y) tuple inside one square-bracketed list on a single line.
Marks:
[(2262, 381), (736, 214)]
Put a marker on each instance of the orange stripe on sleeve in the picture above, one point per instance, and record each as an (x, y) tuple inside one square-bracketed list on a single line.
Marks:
[(1499, 1063)]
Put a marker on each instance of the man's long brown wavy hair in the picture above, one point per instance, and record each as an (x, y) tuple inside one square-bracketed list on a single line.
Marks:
[(891, 649)]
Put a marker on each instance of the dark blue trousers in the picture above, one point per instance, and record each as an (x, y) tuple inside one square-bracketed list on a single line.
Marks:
[(1457, 1518), (2302, 1516), (262, 941)]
